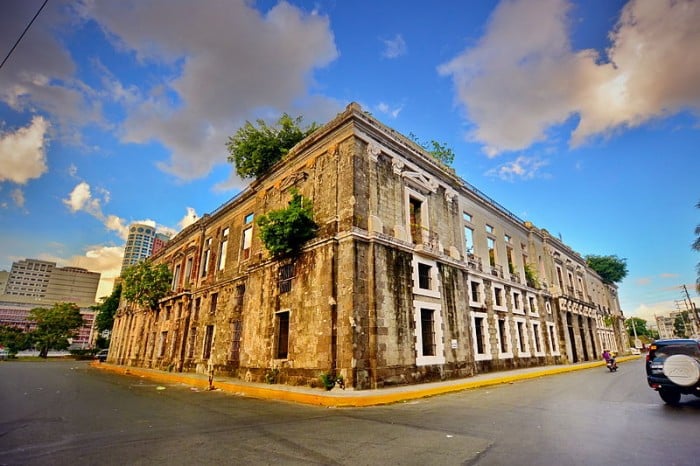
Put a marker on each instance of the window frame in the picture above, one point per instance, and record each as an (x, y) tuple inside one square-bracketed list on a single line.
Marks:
[(282, 337), (434, 291), (481, 319), (439, 357)]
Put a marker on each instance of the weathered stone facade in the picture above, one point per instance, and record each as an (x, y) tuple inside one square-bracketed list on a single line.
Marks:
[(414, 276)]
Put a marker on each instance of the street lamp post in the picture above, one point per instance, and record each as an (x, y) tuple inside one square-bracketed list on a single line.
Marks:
[(634, 330)]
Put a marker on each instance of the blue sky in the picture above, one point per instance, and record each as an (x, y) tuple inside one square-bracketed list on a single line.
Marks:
[(581, 117)]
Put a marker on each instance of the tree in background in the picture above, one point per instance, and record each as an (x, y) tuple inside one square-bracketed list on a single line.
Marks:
[(611, 269), (285, 231), (14, 339), (55, 326), (696, 246), (145, 283), (105, 311), (253, 150), (680, 326), (640, 326)]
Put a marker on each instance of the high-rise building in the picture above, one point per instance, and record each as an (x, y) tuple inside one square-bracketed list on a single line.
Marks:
[(159, 242), (35, 283), (42, 280), (139, 244)]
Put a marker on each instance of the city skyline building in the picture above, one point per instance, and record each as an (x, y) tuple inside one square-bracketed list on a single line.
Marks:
[(43, 280), (139, 245), (33, 283), (159, 242)]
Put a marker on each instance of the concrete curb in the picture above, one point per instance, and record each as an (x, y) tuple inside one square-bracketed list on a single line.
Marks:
[(347, 398)]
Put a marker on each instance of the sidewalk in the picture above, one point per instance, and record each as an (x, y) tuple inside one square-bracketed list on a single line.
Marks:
[(348, 398)]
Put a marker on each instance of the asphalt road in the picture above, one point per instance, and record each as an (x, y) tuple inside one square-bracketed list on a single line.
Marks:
[(62, 413)]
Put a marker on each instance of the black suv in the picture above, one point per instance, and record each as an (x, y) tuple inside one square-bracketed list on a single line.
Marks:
[(673, 368)]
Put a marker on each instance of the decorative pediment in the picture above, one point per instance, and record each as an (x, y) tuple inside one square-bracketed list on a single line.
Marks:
[(293, 179), (420, 181)]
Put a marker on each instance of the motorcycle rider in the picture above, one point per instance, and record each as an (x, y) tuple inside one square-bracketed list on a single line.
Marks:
[(609, 359)]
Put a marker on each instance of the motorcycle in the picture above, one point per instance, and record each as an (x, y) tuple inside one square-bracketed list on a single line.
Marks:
[(612, 365)]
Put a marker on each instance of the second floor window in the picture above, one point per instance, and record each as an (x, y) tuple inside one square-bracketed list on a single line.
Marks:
[(205, 257), (222, 249), (424, 279)]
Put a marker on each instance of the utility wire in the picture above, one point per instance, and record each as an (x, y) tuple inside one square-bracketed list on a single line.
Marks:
[(23, 33)]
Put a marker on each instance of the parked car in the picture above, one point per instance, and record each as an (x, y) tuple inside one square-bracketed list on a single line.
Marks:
[(102, 355), (673, 368)]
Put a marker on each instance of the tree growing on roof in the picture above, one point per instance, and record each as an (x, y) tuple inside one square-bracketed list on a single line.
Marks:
[(253, 150)]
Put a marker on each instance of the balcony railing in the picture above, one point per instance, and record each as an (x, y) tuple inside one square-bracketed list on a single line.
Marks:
[(425, 238), (474, 263), (497, 271)]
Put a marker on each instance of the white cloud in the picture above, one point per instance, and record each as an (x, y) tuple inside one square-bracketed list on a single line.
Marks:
[(81, 199), (523, 167), (229, 61), (395, 47), (519, 81), (114, 223), (189, 218), (23, 152), (384, 108), (40, 73), (17, 196)]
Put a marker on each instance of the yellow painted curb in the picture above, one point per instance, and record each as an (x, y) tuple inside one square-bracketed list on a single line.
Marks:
[(344, 400)]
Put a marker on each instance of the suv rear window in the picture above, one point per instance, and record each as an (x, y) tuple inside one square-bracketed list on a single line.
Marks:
[(665, 350)]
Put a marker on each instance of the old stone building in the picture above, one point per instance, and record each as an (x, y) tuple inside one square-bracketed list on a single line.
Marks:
[(414, 276)]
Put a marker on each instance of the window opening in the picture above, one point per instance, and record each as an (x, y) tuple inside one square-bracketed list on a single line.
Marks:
[(286, 274), (492, 251), (415, 219), (427, 331), (282, 334), (208, 339), (536, 333), (424, 279), (223, 248), (475, 292), (502, 334), (479, 333)]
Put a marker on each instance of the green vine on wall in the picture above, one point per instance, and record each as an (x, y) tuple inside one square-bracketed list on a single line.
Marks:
[(285, 231), (531, 277)]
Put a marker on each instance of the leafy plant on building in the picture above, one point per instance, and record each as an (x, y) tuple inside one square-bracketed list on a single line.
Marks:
[(284, 231), (612, 269), (439, 151), (609, 320), (145, 283), (329, 380), (55, 326), (271, 375), (253, 150), (531, 277)]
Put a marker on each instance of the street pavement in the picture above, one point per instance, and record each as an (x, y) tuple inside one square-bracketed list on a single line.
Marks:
[(348, 397)]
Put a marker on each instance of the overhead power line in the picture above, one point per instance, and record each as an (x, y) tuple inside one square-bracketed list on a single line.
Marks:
[(23, 33)]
